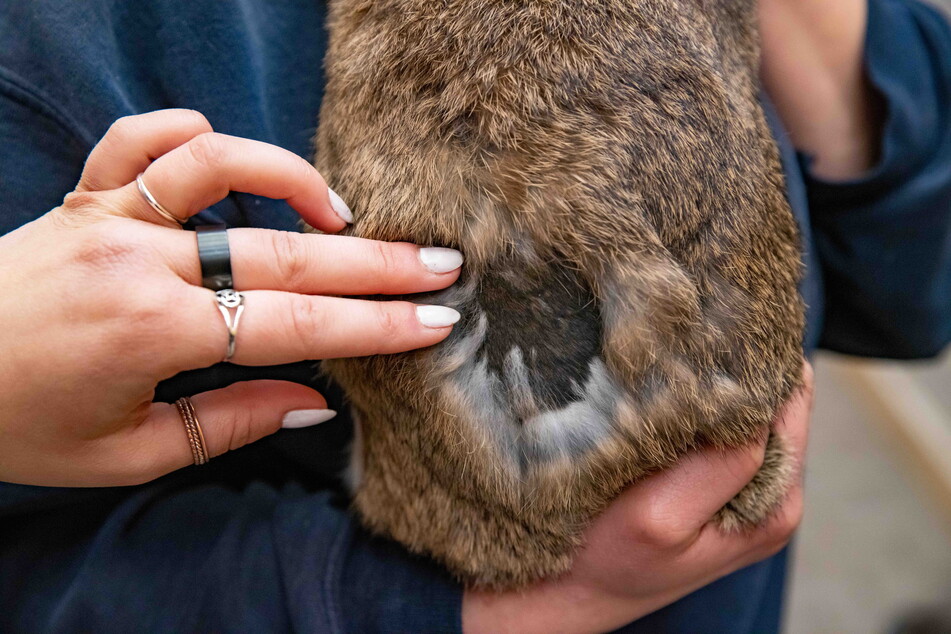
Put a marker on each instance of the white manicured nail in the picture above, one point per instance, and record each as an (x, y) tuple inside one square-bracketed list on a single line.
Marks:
[(340, 207), (306, 417), (436, 316), (440, 260)]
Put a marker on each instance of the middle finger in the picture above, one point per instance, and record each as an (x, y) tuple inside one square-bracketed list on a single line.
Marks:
[(263, 259)]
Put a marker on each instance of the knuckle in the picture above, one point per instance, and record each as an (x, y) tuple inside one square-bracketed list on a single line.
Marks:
[(746, 462), (240, 421), (240, 433), (292, 259), (147, 307), (139, 325), (654, 526), (137, 466), (103, 248), (384, 259), (389, 320), (663, 536), (129, 457), (122, 130), (783, 526), (209, 350), (195, 119), (207, 149), (305, 319), (78, 203), (60, 218), (207, 342)]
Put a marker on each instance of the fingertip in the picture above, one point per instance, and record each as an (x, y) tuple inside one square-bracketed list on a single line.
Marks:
[(440, 260), (319, 215), (405, 326), (198, 116), (300, 418), (245, 412), (339, 207), (437, 317), (188, 118), (438, 335), (321, 207), (442, 267), (282, 391), (448, 279)]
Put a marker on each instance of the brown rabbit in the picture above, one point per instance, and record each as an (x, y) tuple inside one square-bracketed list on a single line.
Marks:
[(630, 287)]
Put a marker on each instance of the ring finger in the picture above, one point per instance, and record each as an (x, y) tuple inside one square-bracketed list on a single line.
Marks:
[(278, 327)]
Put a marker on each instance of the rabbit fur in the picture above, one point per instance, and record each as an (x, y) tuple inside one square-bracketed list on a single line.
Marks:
[(630, 286)]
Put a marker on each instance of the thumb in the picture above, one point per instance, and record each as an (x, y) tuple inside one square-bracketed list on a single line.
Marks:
[(229, 418)]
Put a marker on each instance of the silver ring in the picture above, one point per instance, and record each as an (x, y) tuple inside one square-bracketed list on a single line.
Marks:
[(229, 300), (156, 205)]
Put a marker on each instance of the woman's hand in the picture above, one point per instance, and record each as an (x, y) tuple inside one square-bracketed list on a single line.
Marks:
[(814, 71), (101, 298), (655, 544)]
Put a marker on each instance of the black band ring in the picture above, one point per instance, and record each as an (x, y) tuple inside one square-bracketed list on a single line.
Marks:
[(214, 257)]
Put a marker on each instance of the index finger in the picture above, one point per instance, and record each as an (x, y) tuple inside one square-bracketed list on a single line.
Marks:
[(205, 169), (681, 499), (685, 496), (133, 142), (714, 547)]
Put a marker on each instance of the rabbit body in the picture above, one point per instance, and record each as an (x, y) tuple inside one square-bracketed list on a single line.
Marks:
[(630, 287)]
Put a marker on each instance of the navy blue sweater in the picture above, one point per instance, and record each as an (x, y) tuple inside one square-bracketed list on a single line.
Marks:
[(260, 540)]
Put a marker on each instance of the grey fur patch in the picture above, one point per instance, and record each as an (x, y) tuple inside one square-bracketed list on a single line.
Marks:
[(504, 406), (577, 427), (524, 366)]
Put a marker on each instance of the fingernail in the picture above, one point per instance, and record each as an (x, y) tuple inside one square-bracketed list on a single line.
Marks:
[(306, 417), (440, 260), (340, 207), (436, 316)]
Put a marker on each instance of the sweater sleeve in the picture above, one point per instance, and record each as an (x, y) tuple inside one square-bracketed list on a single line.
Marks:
[(221, 549), (40, 158), (884, 240), (178, 556)]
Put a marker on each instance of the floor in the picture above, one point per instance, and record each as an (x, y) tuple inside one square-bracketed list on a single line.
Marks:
[(871, 545)]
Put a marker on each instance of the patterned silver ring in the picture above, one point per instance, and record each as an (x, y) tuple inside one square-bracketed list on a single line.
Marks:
[(231, 305)]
